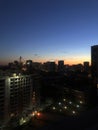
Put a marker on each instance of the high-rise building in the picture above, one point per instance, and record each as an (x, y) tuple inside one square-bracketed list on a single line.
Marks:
[(94, 62), (50, 66), (94, 73), (36, 90), (29, 66), (86, 66), (61, 66), (15, 96)]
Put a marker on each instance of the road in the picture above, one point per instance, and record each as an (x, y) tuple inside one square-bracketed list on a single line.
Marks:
[(48, 121), (44, 120)]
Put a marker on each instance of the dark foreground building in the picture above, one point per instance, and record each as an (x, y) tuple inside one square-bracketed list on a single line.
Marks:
[(94, 62), (94, 71)]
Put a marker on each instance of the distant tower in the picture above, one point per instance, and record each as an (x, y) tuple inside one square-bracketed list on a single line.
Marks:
[(86, 66), (61, 66), (52, 66), (20, 59), (29, 66)]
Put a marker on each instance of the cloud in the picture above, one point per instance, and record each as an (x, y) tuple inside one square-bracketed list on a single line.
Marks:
[(36, 55)]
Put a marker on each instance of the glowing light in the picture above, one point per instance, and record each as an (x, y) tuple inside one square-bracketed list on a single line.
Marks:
[(73, 112), (64, 99), (14, 74), (81, 102), (77, 106), (33, 114), (70, 102), (59, 103), (97, 85), (65, 107), (24, 121), (54, 108), (38, 114), (12, 114)]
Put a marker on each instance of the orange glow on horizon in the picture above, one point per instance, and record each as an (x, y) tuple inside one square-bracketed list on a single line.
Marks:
[(66, 62), (69, 61)]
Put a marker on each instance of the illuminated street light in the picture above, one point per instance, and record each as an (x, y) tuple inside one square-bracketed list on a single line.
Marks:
[(65, 107), (33, 114), (38, 114), (59, 103), (70, 102), (77, 106), (64, 99), (54, 108), (81, 102), (73, 112)]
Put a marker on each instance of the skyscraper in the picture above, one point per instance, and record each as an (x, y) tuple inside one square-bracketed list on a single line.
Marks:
[(15, 96), (94, 62), (50, 66), (94, 73), (61, 66)]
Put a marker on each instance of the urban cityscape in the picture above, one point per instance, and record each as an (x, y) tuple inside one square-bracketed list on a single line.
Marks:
[(30, 91), (48, 64)]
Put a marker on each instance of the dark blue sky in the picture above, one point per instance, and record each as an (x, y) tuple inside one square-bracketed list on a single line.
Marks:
[(43, 30)]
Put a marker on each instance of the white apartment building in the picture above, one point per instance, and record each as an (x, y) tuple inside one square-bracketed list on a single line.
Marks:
[(15, 96)]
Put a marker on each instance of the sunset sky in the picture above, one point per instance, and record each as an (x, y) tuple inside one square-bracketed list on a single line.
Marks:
[(44, 30)]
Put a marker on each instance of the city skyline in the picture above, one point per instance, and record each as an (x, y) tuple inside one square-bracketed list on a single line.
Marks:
[(45, 30)]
